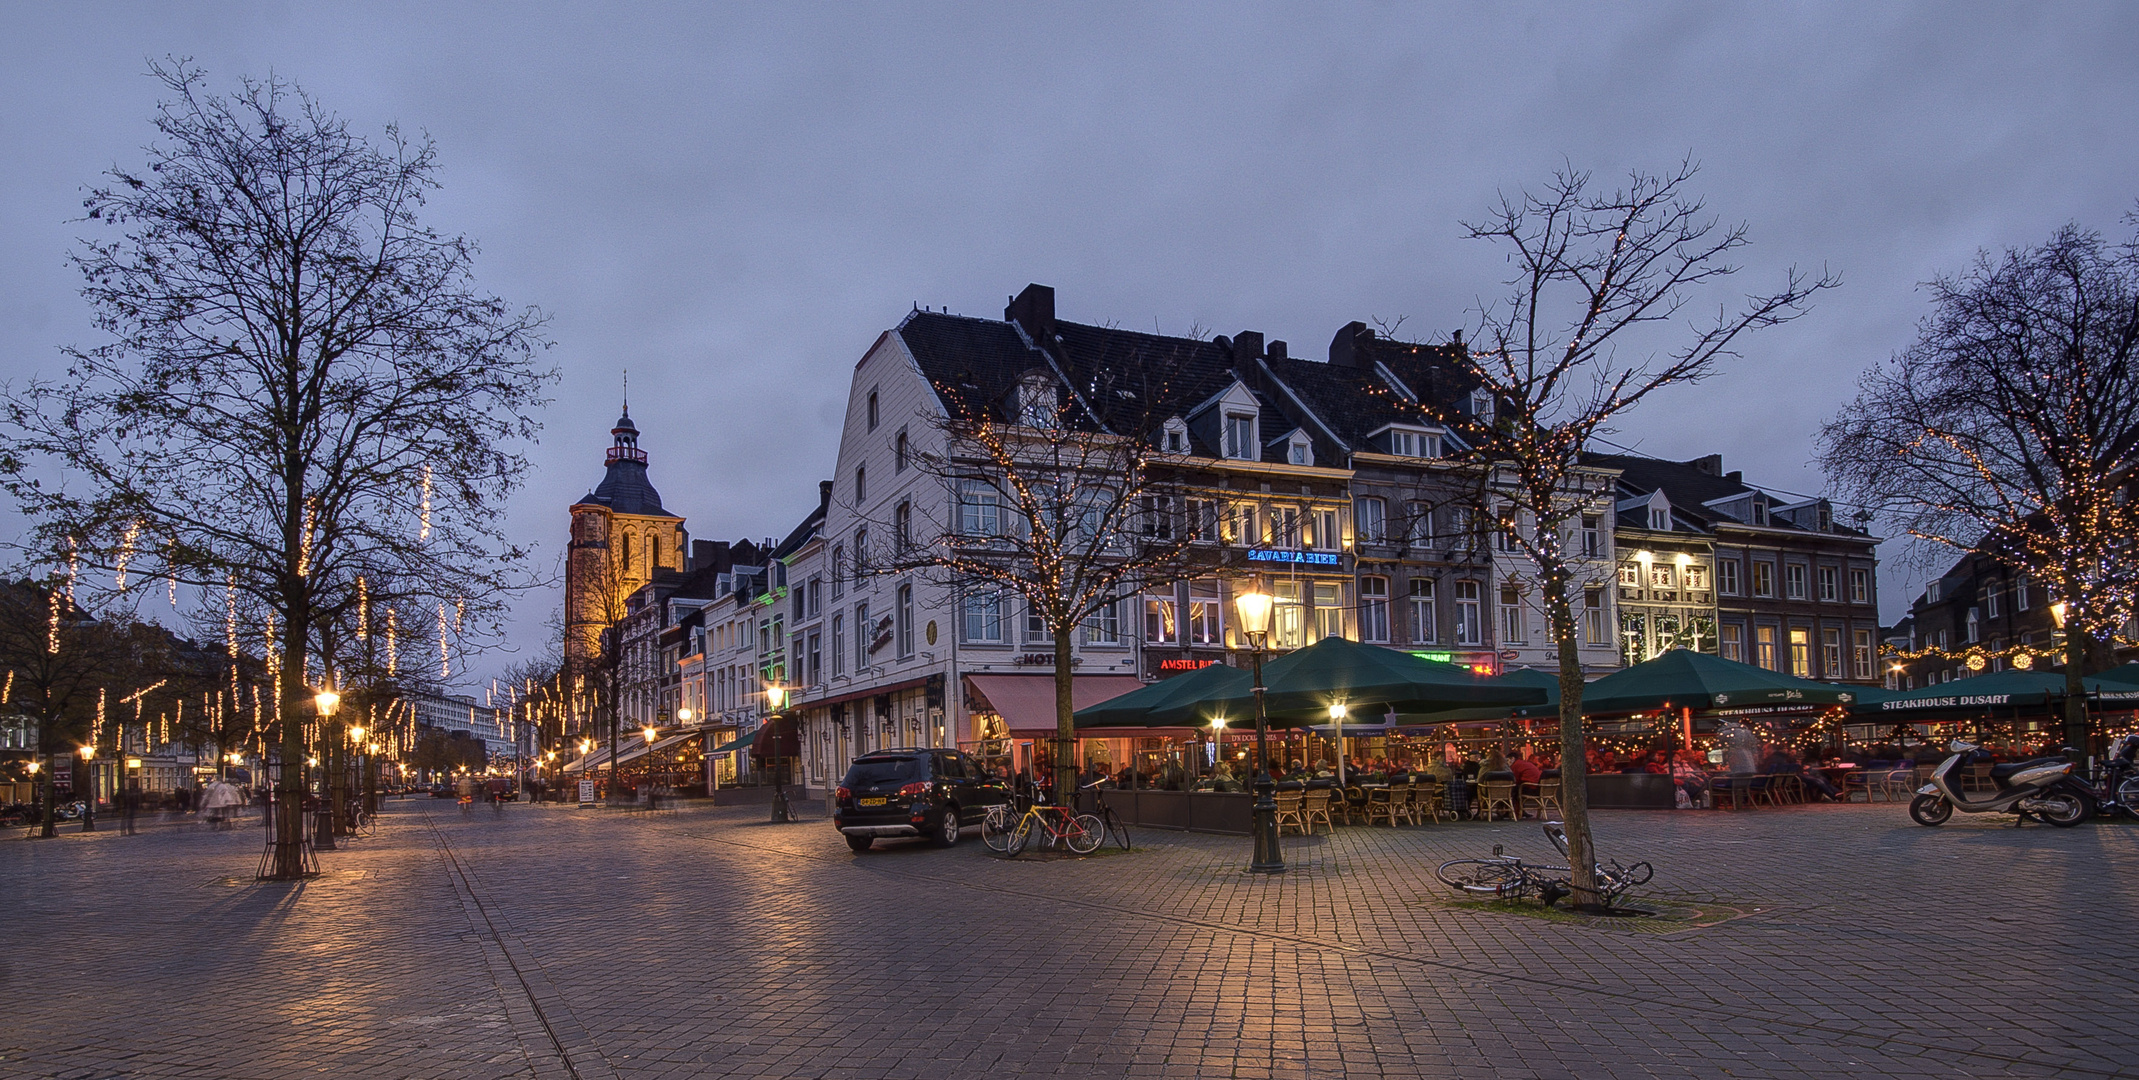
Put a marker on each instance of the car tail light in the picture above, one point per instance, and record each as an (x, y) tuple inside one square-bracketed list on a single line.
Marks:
[(913, 791), (844, 793)]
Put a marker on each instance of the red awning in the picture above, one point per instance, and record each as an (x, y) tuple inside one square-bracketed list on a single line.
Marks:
[(1027, 702)]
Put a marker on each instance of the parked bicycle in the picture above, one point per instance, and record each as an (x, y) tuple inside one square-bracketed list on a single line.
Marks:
[(1008, 831), (1105, 814), (1506, 877)]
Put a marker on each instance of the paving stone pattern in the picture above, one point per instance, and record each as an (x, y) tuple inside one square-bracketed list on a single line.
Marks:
[(590, 944)]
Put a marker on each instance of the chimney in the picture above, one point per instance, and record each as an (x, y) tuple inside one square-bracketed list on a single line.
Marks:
[(1712, 465), (708, 554), (1456, 341), (1275, 350), (1343, 348), (1034, 311), (824, 495), (1247, 349)]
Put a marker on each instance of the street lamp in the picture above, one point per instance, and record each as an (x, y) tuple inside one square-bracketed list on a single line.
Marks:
[(775, 698), (1337, 713), (327, 702), (1254, 607)]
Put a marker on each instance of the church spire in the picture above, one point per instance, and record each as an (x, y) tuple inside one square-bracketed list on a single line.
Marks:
[(626, 436)]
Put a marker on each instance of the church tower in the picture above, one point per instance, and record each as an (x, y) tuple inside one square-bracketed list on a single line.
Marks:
[(621, 536)]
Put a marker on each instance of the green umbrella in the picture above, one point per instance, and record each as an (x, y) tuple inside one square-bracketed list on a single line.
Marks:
[(1138, 707), (1301, 685), (1534, 678), (2000, 689), (1684, 679), (2128, 673)]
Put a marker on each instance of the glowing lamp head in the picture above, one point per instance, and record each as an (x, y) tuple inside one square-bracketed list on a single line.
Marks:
[(1217, 723), (775, 697), (373, 747), (1339, 711), (651, 734), (1253, 607), (2057, 612), (685, 714), (312, 761), (356, 733), (327, 701), (586, 746), (33, 766), (88, 752)]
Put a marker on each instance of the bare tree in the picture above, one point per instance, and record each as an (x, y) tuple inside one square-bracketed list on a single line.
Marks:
[(1598, 316), (301, 386), (1052, 503), (2010, 429)]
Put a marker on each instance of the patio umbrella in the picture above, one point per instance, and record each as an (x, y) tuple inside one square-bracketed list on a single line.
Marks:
[(1301, 685), (2127, 673), (1138, 707), (1684, 679), (1534, 678)]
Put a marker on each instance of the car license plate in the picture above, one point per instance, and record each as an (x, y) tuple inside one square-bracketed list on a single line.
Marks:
[(878, 801)]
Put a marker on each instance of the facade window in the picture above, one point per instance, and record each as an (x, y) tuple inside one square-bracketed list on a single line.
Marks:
[(861, 551), (1696, 578), (801, 600), (1727, 576), (1463, 527), (1374, 609), (1764, 647), (1285, 526), (1830, 590), (1423, 630), (1860, 586), (1160, 626), (980, 511), (1467, 614), (1205, 623), (1202, 520), (1763, 579), (1659, 519), (839, 645), (1860, 647), (1240, 437), (906, 621), (1592, 537), (815, 587), (1372, 518), (1176, 438), (1663, 581), (861, 483), (1329, 610), (1288, 616), (1482, 404), (1103, 626), (1975, 627), (1298, 451), (1329, 535), (902, 527), (839, 571), (816, 656), (1794, 581), (1247, 531), (898, 452), (2020, 593), (1801, 653), (872, 410), (1831, 654), (1630, 579), (1733, 641), (1992, 601), (1418, 519), (1514, 627), (984, 617), (862, 633), (1036, 626), (1593, 617)]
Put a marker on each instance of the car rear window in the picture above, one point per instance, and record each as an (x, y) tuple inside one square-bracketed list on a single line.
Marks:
[(884, 770)]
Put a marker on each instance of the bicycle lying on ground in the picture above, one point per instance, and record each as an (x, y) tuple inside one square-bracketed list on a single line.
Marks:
[(1105, 814), (1506, 877)]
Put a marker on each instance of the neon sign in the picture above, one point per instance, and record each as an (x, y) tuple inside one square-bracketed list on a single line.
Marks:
[(1308, 558)]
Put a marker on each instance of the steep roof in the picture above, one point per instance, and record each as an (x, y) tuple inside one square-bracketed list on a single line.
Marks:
[(626, 490)]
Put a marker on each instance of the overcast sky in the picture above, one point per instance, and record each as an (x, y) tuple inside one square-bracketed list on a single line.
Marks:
[(733, 203)]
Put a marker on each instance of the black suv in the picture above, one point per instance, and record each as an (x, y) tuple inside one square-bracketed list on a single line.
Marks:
[(921, 792)]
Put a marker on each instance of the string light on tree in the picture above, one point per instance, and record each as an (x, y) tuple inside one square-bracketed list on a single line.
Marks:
[(424, 532), (126, 551)]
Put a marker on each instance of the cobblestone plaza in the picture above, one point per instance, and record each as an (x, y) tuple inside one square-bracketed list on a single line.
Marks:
[(549, 942)]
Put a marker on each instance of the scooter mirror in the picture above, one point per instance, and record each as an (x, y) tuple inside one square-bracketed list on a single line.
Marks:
[(1960, 747)]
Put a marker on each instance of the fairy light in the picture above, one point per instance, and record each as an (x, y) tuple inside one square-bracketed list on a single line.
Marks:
[(363, 608), (230, 615), (274, 659), (424, 533), (74, 568), (52, 626), (460, 612), (126, 551), (445, 655), (170, 567), (304, 539), (9, 692), (393, 643), (96, 734)]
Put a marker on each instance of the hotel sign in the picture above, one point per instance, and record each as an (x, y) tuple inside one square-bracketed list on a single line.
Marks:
[(1305, 558)]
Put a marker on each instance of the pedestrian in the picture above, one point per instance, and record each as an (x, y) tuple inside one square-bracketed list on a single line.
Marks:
[(129, 807)]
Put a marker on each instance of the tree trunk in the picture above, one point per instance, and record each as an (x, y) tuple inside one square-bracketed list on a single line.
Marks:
[(1574, 766), (49, 796), (1065, 721), (288, 862), (2076, 735)]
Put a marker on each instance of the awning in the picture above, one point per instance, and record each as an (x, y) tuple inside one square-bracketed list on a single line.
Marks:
[(1027, 702), (738, 744), (594, 760)]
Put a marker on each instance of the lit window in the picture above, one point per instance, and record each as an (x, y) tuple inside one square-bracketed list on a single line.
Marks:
[(1374, 609), (1514, 628), (1423, 629)]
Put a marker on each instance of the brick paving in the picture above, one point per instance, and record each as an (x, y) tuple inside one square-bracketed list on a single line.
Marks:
[(559, 943)]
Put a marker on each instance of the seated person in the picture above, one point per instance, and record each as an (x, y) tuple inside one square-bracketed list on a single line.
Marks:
[(1527, 772), (1688, 777), (1659, 763), (1438, 769)]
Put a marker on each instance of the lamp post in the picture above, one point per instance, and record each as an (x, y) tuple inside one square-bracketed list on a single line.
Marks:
[(651, 733), (775, 698), (1337, 713), (85, 786), (1253, 607), (326, 702)]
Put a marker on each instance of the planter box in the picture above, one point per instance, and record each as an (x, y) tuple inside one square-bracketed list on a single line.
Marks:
[(1631, 791)]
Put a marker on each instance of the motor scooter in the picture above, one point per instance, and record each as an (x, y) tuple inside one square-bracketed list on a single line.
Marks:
[(2026, 788)]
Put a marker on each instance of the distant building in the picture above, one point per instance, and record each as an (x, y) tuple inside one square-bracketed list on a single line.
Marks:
[(463, 714)]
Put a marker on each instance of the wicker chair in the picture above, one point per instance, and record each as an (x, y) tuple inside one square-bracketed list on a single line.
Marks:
[(1291, 807), (1546, 800), (1316, 808), (1381, 806), (1427, 800), (1495, 797)]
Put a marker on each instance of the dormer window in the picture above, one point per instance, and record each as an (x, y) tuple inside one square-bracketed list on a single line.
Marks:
[(1036, 402), (1174, 437), (1482, 404), (1299, 449), (1240, 442), (1659, 519), (1418, 444)]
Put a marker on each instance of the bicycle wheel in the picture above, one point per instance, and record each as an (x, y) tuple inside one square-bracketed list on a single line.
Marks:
[(1484, 877), (1120, 831), (1021, 834), (995, 829), (1085, 833)]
